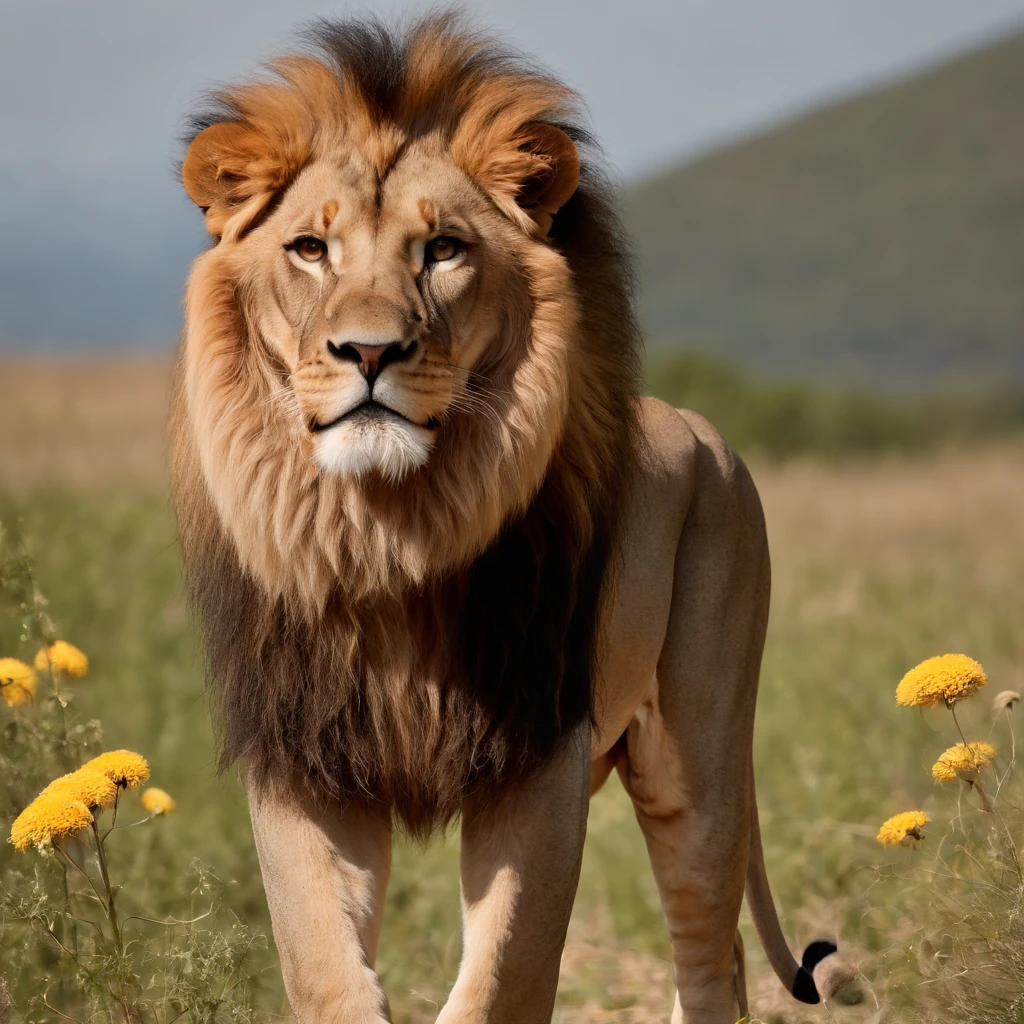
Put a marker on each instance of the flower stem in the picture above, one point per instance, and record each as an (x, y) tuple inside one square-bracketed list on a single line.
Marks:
[(985, 805), (105, 876), (68, 916), (956, 722), (115, 926)]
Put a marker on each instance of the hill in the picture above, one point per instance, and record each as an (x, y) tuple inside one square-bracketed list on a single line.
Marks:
[(880, 239)]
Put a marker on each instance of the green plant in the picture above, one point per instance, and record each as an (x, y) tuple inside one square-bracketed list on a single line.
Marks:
[(963, 957), (78, 940)]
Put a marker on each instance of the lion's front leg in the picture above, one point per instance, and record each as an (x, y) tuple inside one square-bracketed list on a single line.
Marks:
[(325, 871), (520, 866)]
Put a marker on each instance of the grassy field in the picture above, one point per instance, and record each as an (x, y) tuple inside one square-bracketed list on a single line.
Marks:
[(876, 566)]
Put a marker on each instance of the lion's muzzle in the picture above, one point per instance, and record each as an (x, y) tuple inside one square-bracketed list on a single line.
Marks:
[(371, 358)]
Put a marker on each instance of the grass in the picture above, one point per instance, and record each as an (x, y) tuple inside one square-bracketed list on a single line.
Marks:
[(877, 565)]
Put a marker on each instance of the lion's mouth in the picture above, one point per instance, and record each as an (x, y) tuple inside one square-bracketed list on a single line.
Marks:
[(371, 410)]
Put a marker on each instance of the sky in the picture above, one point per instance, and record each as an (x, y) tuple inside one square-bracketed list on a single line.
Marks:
[(95, 231)]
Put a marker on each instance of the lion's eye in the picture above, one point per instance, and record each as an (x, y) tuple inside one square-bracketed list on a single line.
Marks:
[(440, 250), (309, 248)]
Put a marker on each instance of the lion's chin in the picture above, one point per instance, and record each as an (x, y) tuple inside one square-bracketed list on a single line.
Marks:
[(390, 446)]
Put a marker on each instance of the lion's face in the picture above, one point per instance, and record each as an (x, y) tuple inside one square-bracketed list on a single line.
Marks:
[(383, 348), (378, 297)]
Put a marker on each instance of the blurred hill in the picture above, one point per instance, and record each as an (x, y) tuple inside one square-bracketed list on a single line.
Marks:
[(879, 240)]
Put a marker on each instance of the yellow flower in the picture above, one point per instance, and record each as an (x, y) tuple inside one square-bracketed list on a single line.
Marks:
[(63, 807), (156, 801), (61, 656), (947, 678), (903, 829), (963, 761), (48, 817), (92, 788), (17, 681), (122, 767)]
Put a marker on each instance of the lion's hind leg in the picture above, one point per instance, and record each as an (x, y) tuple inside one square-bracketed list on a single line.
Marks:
[(740, 960), (688, 746), (700, 884)]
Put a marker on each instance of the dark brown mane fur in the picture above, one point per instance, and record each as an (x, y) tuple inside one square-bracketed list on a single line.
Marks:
[(415, 692)]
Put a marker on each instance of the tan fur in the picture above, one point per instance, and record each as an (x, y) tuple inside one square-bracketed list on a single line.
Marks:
[(490, 467), (508, 578), (384, 641)]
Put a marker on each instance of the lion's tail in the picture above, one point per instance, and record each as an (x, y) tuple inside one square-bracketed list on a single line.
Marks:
[(811, 978)]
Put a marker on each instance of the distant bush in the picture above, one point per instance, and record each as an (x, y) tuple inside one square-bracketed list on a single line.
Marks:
[(782, 420)]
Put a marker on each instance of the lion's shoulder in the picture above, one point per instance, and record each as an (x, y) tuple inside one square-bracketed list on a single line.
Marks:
[(680, 448)]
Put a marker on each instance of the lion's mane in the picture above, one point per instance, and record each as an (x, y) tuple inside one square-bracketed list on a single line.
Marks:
[(413, 643)]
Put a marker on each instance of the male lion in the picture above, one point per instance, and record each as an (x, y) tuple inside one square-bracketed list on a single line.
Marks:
[(445, 561)]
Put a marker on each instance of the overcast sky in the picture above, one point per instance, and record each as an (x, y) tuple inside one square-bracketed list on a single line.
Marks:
[(95, 234)]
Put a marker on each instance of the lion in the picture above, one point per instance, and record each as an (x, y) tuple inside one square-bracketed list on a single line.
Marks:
[(445, 561)]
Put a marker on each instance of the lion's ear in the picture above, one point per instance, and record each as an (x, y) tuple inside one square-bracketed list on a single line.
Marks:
[(537, 174), (231, 172)]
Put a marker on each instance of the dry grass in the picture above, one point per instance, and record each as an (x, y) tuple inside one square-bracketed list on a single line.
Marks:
[(86, 421), (98, 421)]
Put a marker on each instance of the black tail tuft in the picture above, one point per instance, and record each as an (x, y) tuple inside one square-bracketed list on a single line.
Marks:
[(804, 988), (816, 952)]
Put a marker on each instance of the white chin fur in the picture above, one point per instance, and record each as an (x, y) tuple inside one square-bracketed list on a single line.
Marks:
[(391, 446)]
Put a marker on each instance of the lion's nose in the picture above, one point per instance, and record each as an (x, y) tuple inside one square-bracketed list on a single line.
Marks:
[(371, 358)]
